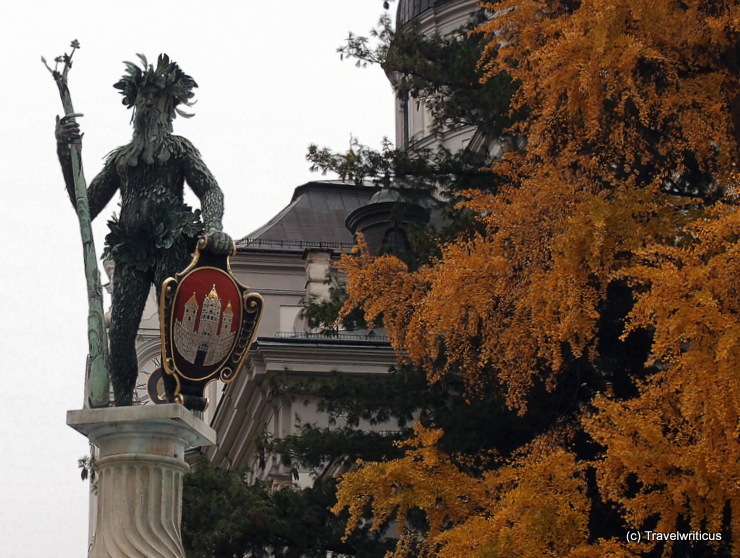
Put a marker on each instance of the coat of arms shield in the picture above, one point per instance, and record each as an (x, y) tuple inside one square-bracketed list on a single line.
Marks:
[(208, 321)]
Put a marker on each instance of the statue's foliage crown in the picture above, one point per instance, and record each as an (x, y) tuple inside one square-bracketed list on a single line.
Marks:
[(167, 77)]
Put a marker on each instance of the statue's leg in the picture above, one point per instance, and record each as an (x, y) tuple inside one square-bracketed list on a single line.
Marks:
[(169, 263), (130, 291)]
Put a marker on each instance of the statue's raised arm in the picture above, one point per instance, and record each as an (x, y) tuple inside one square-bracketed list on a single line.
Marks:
[(103, 187)]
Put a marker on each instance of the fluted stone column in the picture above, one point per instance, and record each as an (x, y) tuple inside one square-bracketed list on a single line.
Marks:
[(140, 467), (318, 266)]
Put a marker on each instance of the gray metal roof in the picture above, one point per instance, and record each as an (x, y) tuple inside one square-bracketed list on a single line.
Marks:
[(314, 218)]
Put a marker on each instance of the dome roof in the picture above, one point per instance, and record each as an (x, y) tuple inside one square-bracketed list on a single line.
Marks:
[(386, 195)]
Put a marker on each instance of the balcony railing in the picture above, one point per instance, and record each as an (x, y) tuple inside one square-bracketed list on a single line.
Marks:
[(299, 244), (324, 336)]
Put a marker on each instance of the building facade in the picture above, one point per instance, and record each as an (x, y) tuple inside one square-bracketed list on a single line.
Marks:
[(288, 261)]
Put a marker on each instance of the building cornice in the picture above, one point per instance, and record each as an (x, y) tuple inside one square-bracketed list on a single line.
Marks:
[(247, 403)]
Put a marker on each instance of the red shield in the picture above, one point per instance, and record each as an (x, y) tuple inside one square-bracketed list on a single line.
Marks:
[(208, 322), (207, 313)]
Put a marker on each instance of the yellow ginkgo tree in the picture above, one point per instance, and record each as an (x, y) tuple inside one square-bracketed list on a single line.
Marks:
[(626, 184)]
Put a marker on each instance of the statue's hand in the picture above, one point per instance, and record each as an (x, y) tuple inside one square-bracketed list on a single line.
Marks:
[(218, 242), (67, 130)]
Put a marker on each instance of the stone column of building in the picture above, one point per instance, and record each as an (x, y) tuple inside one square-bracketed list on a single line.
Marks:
[(139, 474), (318, 281)]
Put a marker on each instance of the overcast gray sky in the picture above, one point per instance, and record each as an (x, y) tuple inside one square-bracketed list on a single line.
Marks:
[(270, 82)]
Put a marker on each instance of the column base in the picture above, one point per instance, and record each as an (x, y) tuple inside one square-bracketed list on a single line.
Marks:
[(140, 467)]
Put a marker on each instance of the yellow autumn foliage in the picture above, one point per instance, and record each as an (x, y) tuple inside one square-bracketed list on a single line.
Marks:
[(680, 438), (628, 83), (533, 507), (513, 304), (630, 103)]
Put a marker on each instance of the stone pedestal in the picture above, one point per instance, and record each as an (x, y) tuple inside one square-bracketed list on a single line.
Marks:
[(140, 466)]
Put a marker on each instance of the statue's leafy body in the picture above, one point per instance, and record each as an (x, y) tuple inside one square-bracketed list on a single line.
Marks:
[(154, 235)]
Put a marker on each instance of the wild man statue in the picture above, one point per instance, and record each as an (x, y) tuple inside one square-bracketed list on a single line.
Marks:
[(155, 233)]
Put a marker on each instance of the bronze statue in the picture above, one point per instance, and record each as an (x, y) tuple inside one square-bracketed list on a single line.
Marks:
[(155, 233)]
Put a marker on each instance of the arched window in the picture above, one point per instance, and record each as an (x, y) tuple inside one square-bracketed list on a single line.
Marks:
[(395, 241)]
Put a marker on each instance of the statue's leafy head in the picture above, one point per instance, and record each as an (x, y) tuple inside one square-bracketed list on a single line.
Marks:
[(166, 79)]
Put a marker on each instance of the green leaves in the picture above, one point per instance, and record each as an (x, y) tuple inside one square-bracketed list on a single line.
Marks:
[(225, 516), (167, 77), (140, 245), (66, 59)]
